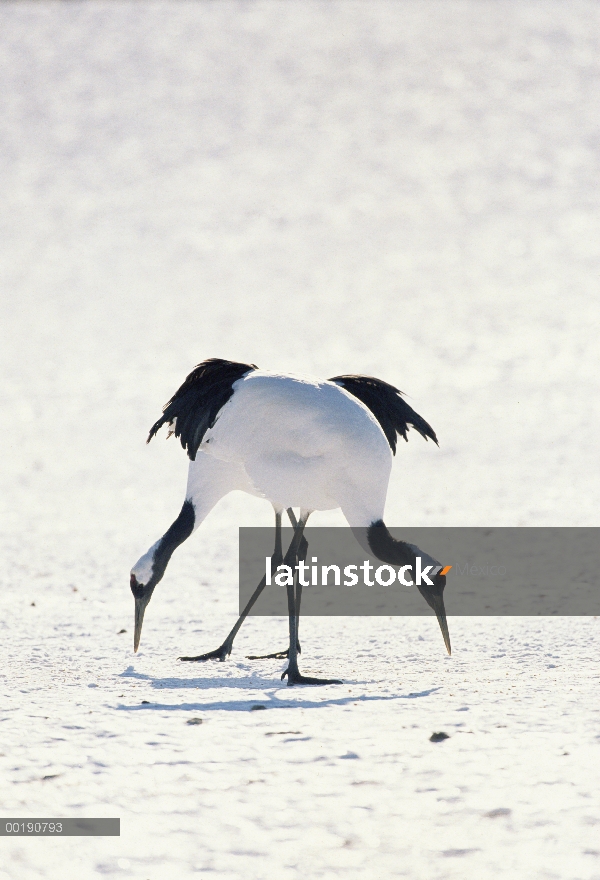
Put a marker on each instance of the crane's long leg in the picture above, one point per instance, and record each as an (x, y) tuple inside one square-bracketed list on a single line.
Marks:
[(224, 650), (294, 676), (302, 553)]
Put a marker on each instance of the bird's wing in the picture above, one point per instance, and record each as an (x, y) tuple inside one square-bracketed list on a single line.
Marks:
[(387, 405), (194, 407)]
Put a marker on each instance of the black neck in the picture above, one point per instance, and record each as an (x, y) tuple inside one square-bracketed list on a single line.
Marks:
[(181, 529), (386, 548)]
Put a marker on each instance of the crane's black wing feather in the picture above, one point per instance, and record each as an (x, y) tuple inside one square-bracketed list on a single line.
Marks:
[(387, 405), (194, 407)]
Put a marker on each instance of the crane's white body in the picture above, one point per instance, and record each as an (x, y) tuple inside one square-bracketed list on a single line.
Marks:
[(298, 443)]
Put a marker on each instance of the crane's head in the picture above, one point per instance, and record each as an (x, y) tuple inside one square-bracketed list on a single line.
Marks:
[(434, 596), (378, 541), (141, 594), (145, 575)]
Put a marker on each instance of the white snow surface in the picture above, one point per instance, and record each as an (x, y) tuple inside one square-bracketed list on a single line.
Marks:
[(404, 189)]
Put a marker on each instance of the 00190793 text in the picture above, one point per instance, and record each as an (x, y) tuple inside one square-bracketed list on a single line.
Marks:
[(34, 828)]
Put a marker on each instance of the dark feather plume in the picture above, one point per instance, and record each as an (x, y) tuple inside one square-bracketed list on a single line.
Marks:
[(194, 407), (387, 405)]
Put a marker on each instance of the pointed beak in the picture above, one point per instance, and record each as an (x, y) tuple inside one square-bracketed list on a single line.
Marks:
[(140, 607), (437, 603)]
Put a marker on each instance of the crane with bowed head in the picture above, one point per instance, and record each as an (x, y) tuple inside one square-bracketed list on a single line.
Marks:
[(299, 443)]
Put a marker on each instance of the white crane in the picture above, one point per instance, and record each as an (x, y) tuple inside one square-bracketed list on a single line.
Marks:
[(313, 445)]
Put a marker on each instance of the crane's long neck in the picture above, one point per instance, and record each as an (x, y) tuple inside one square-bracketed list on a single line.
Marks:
[(175, 535)]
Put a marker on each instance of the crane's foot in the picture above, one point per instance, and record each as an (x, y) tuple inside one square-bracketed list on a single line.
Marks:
[(219, 654), (279, 655), (296, 677)]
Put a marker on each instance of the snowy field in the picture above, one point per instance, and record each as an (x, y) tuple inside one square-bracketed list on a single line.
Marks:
[(404, 189)]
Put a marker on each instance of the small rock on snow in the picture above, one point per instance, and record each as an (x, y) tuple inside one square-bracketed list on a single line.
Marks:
[(438, 737)]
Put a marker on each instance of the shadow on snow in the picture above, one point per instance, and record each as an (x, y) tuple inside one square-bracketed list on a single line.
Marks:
[(271, 697)]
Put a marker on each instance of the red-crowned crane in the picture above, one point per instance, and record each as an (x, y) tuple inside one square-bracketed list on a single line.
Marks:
[(313, 445)]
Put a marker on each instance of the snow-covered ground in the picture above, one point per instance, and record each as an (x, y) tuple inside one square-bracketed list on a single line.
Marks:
[(406, 189)]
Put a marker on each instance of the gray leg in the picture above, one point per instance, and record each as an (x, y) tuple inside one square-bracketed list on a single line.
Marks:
[(302, 553), (225, 650), (294, 676)]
